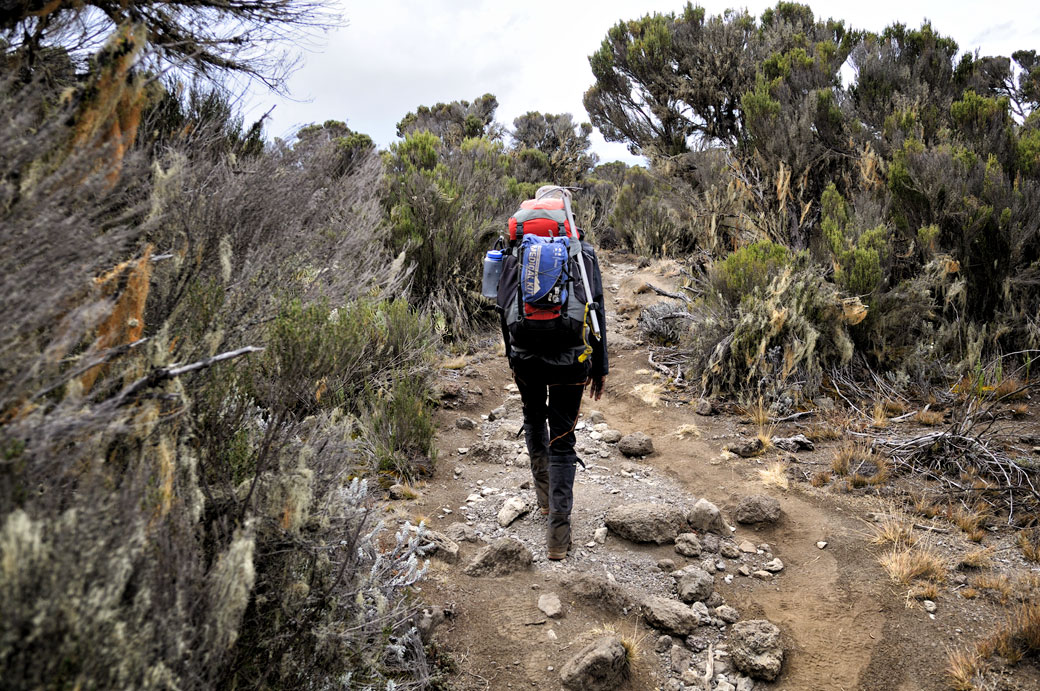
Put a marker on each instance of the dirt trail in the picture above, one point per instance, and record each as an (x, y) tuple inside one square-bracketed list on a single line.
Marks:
[(845, 626)]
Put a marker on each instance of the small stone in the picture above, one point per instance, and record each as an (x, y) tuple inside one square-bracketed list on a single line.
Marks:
[(463, 450), (728, 579), (458, 470), (611, 436), (670, 615), (497, 414), (748, 547), (695, 584), (465, 423), (474, 498), (590, 544), (666, 564), (929, 606), (501, 557), (398, 491), (636, 444), (821, 544), (551, 635), (757, 508), (727, 614), (705, 407), (745, 683), (488, 491), (744, 570), (664, 643), (688, 545), (775, 566), (705, 516), (756, 650), (600, 666), (596, 417), (729, 549), (600, 535), (762, 575), (512, 509), (709, 566), (746, 448), (710, 543), (724, 685), (550, 605)]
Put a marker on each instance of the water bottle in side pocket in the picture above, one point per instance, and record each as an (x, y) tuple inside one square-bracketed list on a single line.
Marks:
[(492, 271)]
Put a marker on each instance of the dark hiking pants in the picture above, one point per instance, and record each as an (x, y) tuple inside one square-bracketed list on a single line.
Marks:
[(550, 414)]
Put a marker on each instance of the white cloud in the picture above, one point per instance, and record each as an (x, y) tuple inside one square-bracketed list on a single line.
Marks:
[(395, 55)]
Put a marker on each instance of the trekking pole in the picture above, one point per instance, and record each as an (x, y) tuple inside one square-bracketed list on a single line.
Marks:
[(565, 193)]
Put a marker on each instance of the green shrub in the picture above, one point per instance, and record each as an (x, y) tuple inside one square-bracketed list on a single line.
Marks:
[(399, 428), (748, 269)]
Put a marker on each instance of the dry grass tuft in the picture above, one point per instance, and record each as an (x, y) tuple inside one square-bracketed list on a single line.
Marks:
[(893, 408), (455, 363), (648, 393), (879, 415), (820, 478), (1010, 389), (977, 559), (969, 519), (757, 413), (914, 563), (775, 475), (894, 531), (824, 432), (963, 669), (929, 418), (996, 583), (861, 465), (1029, 542), (1019, 410), (924, 506), (925, 591), (969, 593)]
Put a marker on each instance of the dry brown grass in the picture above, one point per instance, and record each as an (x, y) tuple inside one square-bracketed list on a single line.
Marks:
[(894, 531), (1019, 410), (1029, 542), (757, 413), (963, 669), (929, 418), (820, 478), (879, 415), (969, 593), (977, 559), (908, 564), (1010, 389), (924, 506), (775, 475), (861, 465), (996, 584), (969, 519), (824, 432), (893, 408), (925, 591)]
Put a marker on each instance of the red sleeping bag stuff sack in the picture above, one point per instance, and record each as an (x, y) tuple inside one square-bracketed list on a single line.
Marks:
[(545, 217)]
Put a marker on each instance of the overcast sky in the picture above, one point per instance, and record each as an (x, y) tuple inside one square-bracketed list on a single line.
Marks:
[(394, 55)]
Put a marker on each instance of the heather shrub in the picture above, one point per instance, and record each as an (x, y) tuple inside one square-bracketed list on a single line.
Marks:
[(175, 503)]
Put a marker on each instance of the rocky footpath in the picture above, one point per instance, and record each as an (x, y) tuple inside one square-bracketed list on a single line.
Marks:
[(698, 640)]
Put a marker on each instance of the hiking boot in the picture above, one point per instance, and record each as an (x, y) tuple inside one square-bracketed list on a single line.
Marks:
[(558, 535)]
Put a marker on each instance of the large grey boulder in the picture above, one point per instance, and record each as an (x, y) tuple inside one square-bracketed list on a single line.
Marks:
[(501, 557), (757, 508), (695, 584), (646, 522), (755, 649), (599, 666), (636, 444), (670, 615)]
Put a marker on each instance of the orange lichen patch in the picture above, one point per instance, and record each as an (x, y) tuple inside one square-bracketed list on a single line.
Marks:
[(127, 284)]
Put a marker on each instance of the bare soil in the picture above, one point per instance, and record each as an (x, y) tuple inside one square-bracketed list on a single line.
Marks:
[(846, 625)]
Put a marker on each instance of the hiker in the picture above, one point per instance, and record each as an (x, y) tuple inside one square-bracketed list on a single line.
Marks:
[(556, 344)]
